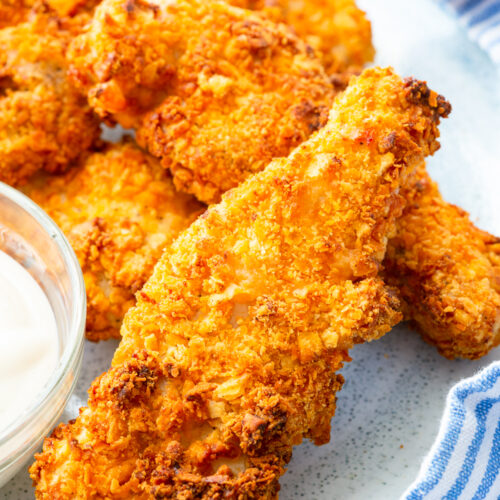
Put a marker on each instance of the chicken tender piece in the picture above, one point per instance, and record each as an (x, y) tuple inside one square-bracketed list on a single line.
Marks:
[(119, 210), (230, 357), (44, 122), (448, 273), (338, 30), (215, 91), (447, 270)]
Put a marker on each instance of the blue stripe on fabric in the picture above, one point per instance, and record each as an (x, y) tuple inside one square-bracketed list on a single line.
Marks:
[(484, 14), (492, 24), (492, 469), (442, 457), (468, 5), (457, 417), (482, 410), (482, 19)]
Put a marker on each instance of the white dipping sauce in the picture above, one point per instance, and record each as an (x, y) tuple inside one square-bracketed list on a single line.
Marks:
[(29, 346)]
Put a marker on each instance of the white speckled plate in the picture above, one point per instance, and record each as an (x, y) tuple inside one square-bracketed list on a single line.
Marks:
[(389, 410)]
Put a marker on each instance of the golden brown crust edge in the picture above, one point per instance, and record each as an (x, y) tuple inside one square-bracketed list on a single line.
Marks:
[(447, 272)]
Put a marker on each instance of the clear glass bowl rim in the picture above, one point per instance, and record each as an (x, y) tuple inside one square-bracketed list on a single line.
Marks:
[(73, 349)]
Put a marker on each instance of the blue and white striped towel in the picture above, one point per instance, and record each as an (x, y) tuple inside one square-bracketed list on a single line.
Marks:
[(482, 20), (464, 462)]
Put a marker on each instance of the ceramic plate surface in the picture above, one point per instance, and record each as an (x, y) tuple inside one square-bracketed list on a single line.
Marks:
[(389, 410)]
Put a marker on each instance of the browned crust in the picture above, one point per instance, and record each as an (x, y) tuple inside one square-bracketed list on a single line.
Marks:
[(45, 124), (216, 100), (447, 272), (119, 210), (337, 30)]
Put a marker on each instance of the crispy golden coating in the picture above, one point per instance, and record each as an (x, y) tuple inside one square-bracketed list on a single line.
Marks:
[(119, 210), (71, 7), (44, 122), (231, 355), (448, 273), (14, 11), (215, 91), (338, 30)]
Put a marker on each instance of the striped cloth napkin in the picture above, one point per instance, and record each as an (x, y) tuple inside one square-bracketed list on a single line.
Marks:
[(464, 462), (482, 20)]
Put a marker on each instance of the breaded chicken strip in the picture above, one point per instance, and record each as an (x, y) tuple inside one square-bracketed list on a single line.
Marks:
[(215, 91), (44, 122), (448, 273), (119, 210), (231, 355), (338, 30)]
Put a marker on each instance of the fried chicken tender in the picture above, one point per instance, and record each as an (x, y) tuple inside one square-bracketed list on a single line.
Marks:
[(448, 273), (215, 91), (44, 122), (119, 210), (230, 357), (338, 30)]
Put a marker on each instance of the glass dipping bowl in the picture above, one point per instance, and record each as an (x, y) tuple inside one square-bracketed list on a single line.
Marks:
[(29, 236)]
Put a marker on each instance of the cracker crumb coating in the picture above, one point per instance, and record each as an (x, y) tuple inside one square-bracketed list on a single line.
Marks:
[(71, 8), (45, 124), (119, 210), (215, 91), (448, 273), (337, 30), (13, 12), (230, 357)]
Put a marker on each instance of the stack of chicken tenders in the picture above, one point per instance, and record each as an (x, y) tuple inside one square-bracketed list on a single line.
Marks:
[(271, 209)]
